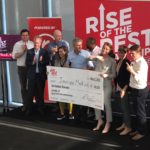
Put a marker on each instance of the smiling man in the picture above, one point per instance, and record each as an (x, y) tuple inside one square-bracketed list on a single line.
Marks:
[(139, 90)]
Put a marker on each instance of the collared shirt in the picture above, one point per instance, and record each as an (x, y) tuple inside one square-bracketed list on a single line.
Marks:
[(96, 51), (18, 49), (139, 81), (58, 44), (79, 61)]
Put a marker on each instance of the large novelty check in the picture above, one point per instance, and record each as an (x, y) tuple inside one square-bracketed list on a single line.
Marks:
[(82, 87)]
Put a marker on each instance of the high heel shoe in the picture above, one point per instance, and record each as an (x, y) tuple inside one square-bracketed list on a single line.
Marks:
[(99, 125), (106, 128), (96, 128)]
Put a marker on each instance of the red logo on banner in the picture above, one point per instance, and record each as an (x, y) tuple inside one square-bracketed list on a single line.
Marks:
[(116, 22), (44, 27), (53, 72)]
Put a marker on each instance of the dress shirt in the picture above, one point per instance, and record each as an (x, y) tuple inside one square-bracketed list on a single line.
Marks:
[(139, 81), (96, 51), (79, 61), (58, 44), (18, 49)]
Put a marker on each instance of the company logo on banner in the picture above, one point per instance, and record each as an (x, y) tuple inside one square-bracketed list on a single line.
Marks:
[(116, 22), (44, 27), (6, 46)]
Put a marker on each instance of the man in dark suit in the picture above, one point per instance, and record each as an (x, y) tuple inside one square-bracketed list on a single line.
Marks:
[(36, 61)]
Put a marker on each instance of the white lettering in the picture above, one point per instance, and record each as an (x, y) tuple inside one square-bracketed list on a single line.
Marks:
[(125, 16), (91, 24), (132, 38), (147, 36), (119, 40), (113, 21)]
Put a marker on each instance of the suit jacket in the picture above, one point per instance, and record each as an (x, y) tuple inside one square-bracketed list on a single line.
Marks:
[(31, 67), (123, 75)]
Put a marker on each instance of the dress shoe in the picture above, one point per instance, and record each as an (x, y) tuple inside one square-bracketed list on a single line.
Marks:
[(106, 128), (133, 133), (121, 127), (125, 131), (41, 111), (27, 112), (23, 109), (137, 136)]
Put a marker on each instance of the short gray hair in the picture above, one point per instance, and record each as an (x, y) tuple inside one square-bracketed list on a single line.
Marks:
[(37, 37), (76, 40)]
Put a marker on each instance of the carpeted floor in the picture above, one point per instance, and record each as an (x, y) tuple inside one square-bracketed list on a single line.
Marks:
[(36, 132)]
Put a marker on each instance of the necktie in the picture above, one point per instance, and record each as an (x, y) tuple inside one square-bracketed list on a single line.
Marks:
[(37, 57)]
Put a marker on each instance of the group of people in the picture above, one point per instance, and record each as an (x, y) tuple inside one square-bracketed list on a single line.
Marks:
[(121, 75)]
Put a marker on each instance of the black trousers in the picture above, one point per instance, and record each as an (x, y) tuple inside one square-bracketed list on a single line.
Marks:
[(139, 98), (22, 72), (36, 88), (80, 113), (124, 104)]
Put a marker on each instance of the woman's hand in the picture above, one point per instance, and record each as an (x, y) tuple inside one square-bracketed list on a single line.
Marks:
[(104, 75)]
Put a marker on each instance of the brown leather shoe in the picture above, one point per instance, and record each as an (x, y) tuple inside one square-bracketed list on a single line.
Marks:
[(23, 109), (133, 133), (125, 131), (120, 127), (138, 136)]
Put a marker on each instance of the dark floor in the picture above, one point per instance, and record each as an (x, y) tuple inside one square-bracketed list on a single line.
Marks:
[(36, 132)]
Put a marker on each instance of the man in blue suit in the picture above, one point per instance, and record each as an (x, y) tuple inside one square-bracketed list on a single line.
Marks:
[(36, 62)]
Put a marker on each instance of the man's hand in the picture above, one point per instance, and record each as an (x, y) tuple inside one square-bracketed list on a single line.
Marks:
[(122, 93), (101, 58), (24, 47), (92, 57), (41, 58), (130, 69), (34, 60)]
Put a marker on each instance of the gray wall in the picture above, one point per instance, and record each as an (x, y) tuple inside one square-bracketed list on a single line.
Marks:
[(17, 12)]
